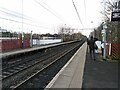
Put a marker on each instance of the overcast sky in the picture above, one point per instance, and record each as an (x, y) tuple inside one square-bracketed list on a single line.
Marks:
[(45, 16)]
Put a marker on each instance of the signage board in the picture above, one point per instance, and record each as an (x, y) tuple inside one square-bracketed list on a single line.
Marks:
[(115, 15)]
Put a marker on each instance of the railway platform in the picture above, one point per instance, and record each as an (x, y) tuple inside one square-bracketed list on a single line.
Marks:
[(71, 74), (25, 50), (83, 73), (10, 53)]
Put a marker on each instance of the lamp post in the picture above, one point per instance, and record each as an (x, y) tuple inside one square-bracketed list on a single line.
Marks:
[(0, 32), (22, 39), (93, 30), (64, 33), (104, 33), (31, 42), (104, 39)]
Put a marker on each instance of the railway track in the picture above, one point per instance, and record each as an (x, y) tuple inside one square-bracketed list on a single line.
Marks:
[(21, 73)]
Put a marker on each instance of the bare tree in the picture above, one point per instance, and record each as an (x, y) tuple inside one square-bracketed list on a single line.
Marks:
[(112, 30)]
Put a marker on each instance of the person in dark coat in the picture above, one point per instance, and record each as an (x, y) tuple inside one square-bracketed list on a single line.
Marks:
[(91, 44)]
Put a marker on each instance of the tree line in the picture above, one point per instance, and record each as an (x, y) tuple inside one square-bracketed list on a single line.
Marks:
[(64, 33)]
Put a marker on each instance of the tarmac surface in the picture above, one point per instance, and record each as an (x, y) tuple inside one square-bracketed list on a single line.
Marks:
[(83, 73), (100, 74)]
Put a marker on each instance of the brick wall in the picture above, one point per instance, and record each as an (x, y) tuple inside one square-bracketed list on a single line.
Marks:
[(116, 50), (11, 44)]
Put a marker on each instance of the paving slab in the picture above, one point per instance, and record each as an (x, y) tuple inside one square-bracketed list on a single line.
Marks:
[(100, 74)]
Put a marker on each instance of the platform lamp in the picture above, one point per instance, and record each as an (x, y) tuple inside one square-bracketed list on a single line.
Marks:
[(93, 29), (0, 32), (31, 42), (104, 39), (22, 39)]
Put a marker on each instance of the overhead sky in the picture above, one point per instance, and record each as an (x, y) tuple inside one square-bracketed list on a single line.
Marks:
[(46, 16)]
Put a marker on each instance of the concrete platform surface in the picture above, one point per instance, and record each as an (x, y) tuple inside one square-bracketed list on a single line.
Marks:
[(71, 75), (100, 74), (25, 50)]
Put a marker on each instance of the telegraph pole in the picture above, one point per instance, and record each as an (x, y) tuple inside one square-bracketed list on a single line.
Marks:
[(104, 37), (62, 34), (0, 32), (22, 27), (104, 40), (31, 41)]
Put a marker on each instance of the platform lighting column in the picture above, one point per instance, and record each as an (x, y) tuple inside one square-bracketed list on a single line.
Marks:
[(31, 41), (104, 37), (22, 39), (22, 27), (39, 39), (1, 61), (62, 34), (92, 28), (0, 32)]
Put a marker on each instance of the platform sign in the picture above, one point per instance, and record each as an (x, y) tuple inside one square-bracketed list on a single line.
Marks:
[(115, 15)]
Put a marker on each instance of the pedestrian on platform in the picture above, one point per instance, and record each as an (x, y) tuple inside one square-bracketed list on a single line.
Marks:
[(91, 44)]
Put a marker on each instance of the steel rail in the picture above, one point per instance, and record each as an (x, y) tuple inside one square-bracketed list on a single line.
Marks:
[(37, 63), (32, 76)]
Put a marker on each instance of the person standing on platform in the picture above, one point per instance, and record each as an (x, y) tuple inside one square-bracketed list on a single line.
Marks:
[(91, 44)]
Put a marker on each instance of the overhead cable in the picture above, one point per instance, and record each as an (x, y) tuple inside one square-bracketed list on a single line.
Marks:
[(77, 13), (52, 10), (17, 15), (14, 14), (85, 9), (24, 23), (47, 9), (11, 14)]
